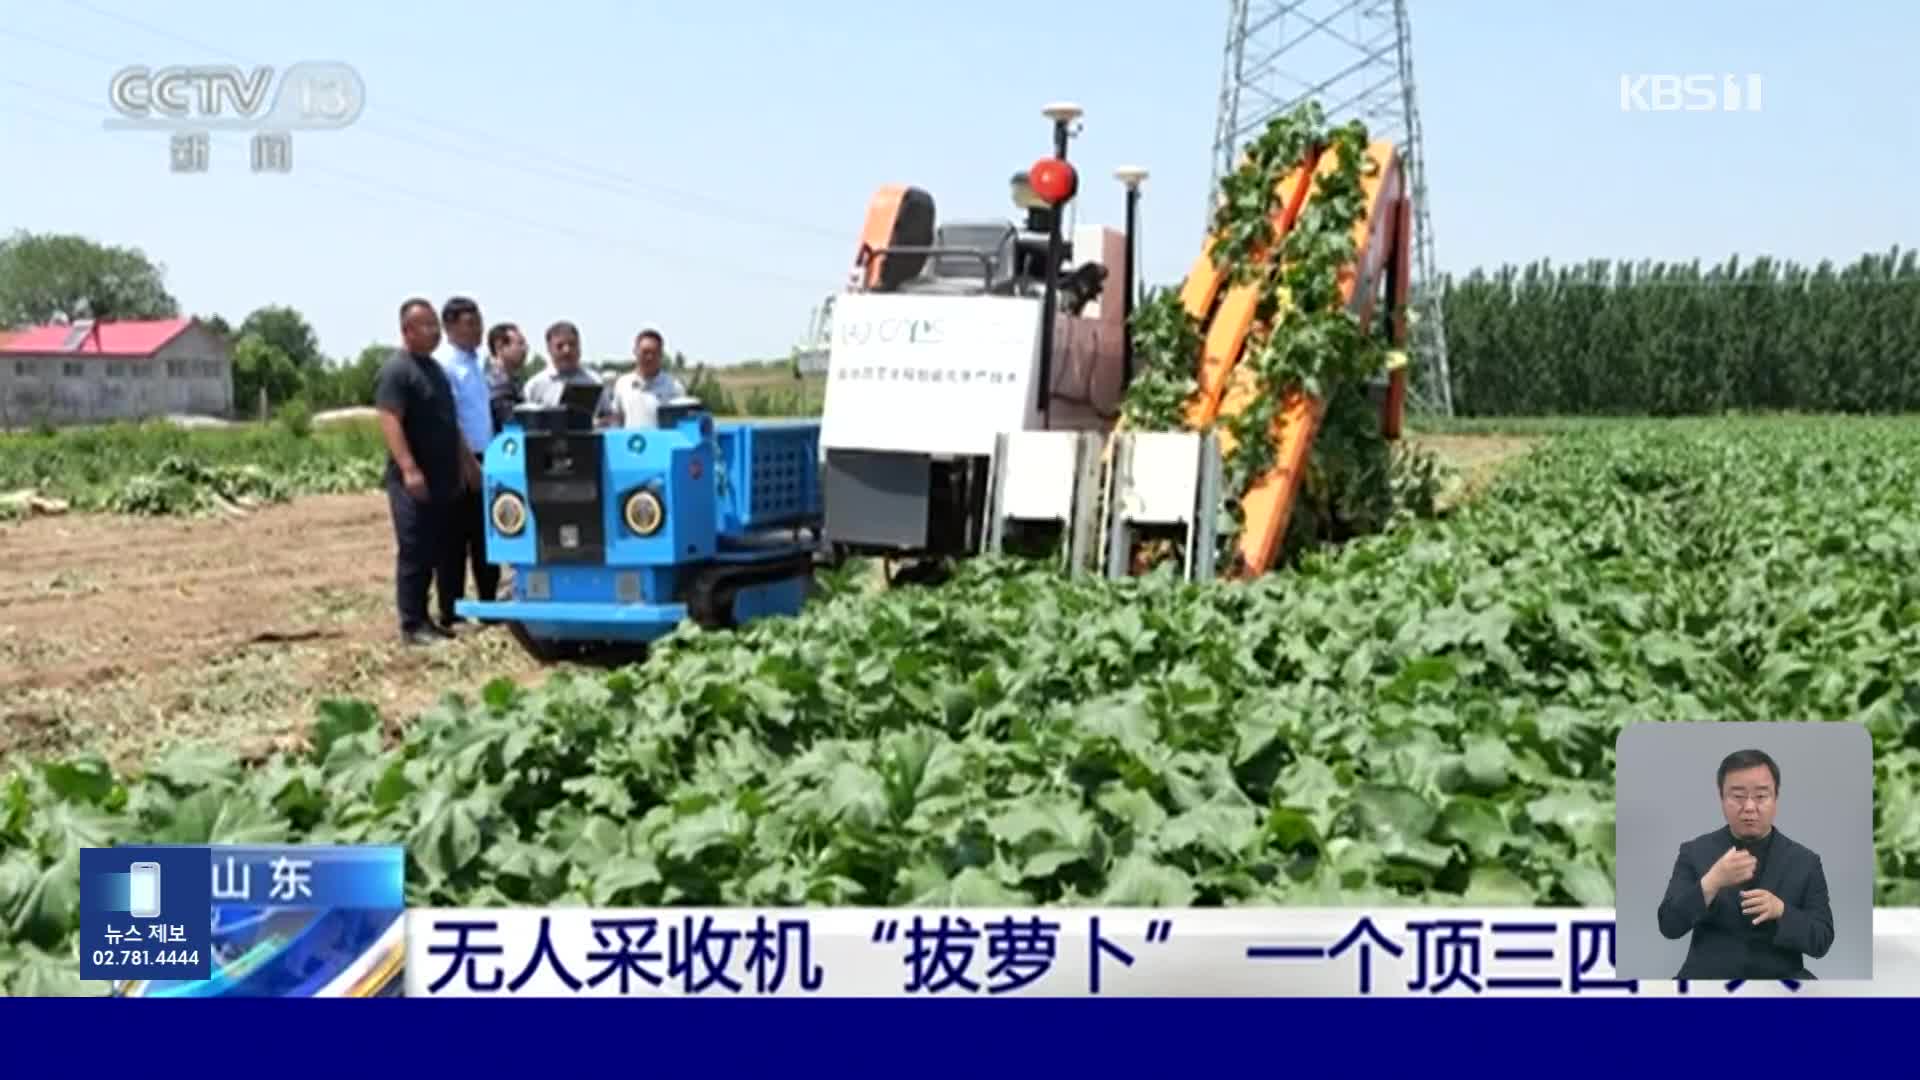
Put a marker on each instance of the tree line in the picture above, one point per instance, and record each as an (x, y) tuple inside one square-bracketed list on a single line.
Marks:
[(1663, 339), (1598, 338)]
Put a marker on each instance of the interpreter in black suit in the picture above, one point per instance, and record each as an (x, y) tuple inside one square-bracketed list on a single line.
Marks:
[(1761, 931), (427, 469)]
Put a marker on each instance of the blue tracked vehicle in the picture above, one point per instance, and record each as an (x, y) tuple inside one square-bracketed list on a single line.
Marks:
[(617, 536)]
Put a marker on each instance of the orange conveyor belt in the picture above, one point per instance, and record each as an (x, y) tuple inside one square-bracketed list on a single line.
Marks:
[(1226, 388)]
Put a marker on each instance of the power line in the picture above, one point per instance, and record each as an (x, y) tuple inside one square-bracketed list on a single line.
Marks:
[(597, 237), (591, 176), (414, 140)]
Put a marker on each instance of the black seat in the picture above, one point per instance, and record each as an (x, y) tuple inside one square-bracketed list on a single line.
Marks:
[(990, 245)]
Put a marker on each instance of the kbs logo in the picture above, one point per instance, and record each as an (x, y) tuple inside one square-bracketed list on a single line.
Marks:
[(1689, 93)]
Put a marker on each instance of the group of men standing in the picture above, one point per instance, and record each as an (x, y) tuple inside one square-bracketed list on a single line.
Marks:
[(437, 417)]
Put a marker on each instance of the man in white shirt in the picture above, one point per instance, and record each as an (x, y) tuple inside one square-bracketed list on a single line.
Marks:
[(563, 370), (638, 395)]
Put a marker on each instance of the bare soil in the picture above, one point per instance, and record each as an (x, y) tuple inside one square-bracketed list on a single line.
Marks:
[(122, 635)]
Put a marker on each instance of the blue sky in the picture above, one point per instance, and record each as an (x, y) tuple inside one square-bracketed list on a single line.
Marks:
[(704, 167)]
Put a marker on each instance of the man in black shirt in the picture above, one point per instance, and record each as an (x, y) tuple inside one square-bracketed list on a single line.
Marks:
[(425, 468), (1754, 900), (507, 347)]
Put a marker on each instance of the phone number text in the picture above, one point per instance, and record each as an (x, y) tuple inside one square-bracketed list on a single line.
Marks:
[(145, 957)]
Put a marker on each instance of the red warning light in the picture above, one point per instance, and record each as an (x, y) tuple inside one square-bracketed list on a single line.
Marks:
[(1053, 180)]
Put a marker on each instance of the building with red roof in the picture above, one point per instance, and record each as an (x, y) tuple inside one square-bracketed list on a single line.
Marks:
[(89, 372)]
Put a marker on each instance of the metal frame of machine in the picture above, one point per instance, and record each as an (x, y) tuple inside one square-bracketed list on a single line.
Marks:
[(943, 343), (976, 370)]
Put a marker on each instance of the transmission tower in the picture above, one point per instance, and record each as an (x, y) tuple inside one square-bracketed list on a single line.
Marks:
[(1356, 58)]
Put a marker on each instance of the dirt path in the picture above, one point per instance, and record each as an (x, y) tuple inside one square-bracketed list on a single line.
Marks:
[(124, 635), (1475, 459)]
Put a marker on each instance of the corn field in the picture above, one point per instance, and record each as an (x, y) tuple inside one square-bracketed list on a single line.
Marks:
[(1664, 339)]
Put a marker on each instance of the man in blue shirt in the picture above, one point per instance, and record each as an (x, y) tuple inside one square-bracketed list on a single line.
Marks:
[(473, 406)]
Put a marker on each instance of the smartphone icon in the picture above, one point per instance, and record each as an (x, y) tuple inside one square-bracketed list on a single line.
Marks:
[(144, 893)]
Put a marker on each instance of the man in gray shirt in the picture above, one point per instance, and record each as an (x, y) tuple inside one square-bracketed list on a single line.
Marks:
[(563, 370)]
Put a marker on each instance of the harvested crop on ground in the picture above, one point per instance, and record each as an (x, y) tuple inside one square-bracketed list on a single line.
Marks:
[(1426, 716), (161, 469)]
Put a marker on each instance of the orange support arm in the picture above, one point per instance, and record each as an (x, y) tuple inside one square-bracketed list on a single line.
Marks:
[(1228, 388), (1232, 322)]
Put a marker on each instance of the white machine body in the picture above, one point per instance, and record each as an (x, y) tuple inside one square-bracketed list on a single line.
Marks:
[(933, 436)]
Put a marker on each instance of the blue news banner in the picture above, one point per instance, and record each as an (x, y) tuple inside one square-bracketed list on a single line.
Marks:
[(1072, 952), (283, 921), (320, 921)]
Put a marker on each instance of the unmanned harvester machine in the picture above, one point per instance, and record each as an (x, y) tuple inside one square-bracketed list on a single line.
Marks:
[(975, 371), (617, 536), (942, 363)]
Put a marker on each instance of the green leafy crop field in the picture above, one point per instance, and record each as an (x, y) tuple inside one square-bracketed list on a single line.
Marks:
[(1423, 716)]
